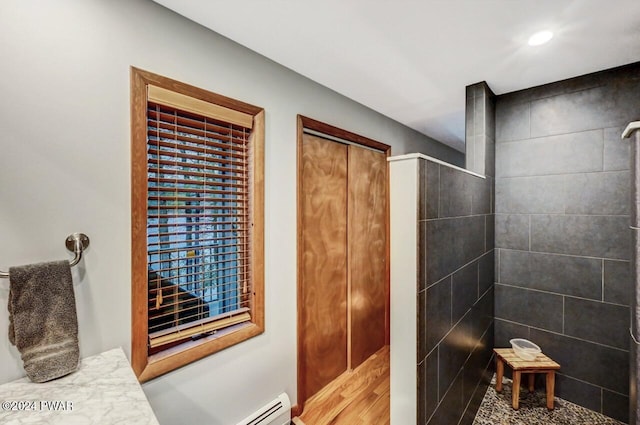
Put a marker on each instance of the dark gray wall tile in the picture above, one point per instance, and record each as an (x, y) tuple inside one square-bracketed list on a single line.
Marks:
[(422, 255), (635, 278), (525, 306), (578, 392), (480, 152), (596, 107), (475, 368), (619, 75), (422, 325), (581, 277), (530, 195), (438, 312), (594, 236), (429, 193), (469, 151), (464, 289), (474, 405), (597, 193), (486, 275), (481, 317), (480, 114), (593, 363), (473, 373), (616, 150), (452, 243), (490, 157), (615, 406), (422, 392), (456, 192), (512, 231), (597, 322), (634, 178), (490, 113), (567, 153), (634, 380), (490, 232), (453, 352), (431, 377), (450, 410), (480, 195), (512, 121), (617, 282), (505, 331)]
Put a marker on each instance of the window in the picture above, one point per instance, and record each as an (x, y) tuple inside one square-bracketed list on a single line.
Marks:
[(197, 223)]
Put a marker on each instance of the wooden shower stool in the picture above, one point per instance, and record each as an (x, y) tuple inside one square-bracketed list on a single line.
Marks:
[(541, 364)]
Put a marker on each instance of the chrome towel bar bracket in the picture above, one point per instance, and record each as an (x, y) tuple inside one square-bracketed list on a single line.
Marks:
[(76, 243)]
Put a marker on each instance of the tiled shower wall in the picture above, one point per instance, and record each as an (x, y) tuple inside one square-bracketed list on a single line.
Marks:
[(480, 134), (455, 292), (562, 230)]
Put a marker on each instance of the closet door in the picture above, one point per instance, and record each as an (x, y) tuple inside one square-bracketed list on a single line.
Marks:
[(323, 288), (367, 235)]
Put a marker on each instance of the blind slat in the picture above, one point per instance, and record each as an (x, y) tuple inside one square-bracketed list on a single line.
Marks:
[(188, 249), (155, 167), (185, 320), (203, 182), (159, 113), (196, 232), (179, 268), (228, 157), (210, 326), (206, 146), (186, 306), (198, 135)]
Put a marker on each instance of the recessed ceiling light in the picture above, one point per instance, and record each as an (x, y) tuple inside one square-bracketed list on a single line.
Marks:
[(540, 38)]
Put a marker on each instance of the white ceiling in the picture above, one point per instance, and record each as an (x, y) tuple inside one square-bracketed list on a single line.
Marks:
[(411, 59)]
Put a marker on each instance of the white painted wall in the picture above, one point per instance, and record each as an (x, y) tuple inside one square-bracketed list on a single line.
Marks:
[(65, 167), (403, 187)]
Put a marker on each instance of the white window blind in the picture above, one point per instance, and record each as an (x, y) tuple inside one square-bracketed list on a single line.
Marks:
[(198, 219)]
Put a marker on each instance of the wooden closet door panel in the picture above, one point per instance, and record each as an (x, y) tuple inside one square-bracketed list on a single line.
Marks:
[(367, 251), (324, 261)]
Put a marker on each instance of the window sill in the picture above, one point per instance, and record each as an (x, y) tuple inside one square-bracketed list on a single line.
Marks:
[(188, 352)]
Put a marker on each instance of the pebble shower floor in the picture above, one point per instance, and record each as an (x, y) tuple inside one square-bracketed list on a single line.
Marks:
[(496, 410)]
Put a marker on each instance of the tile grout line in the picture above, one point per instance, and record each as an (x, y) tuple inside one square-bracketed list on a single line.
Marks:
[(512, 285), (602, 129), (458, 216), (590, 257), (453, 325), (591, 383), (602, 290), (601, 399), (498, 277), (563, 299), (458, 269), (544, 213), (439, 191), (529, 232), (562, 335), (596, 172), (533, 138)]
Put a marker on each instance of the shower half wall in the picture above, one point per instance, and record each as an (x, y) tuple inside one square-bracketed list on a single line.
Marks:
[(442, 277)]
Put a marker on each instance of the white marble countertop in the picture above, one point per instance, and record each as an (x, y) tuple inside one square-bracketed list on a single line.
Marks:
[(104, 391)]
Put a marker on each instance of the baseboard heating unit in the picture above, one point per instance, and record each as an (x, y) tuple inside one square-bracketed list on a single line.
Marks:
[(276, 412)]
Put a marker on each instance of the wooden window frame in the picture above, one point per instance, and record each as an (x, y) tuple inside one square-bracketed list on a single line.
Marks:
[(147, 366)]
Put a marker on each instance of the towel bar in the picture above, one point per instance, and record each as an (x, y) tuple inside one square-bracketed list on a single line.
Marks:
[(76, 243)]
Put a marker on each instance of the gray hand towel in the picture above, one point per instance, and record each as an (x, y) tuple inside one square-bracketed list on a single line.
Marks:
[(42, 319)]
